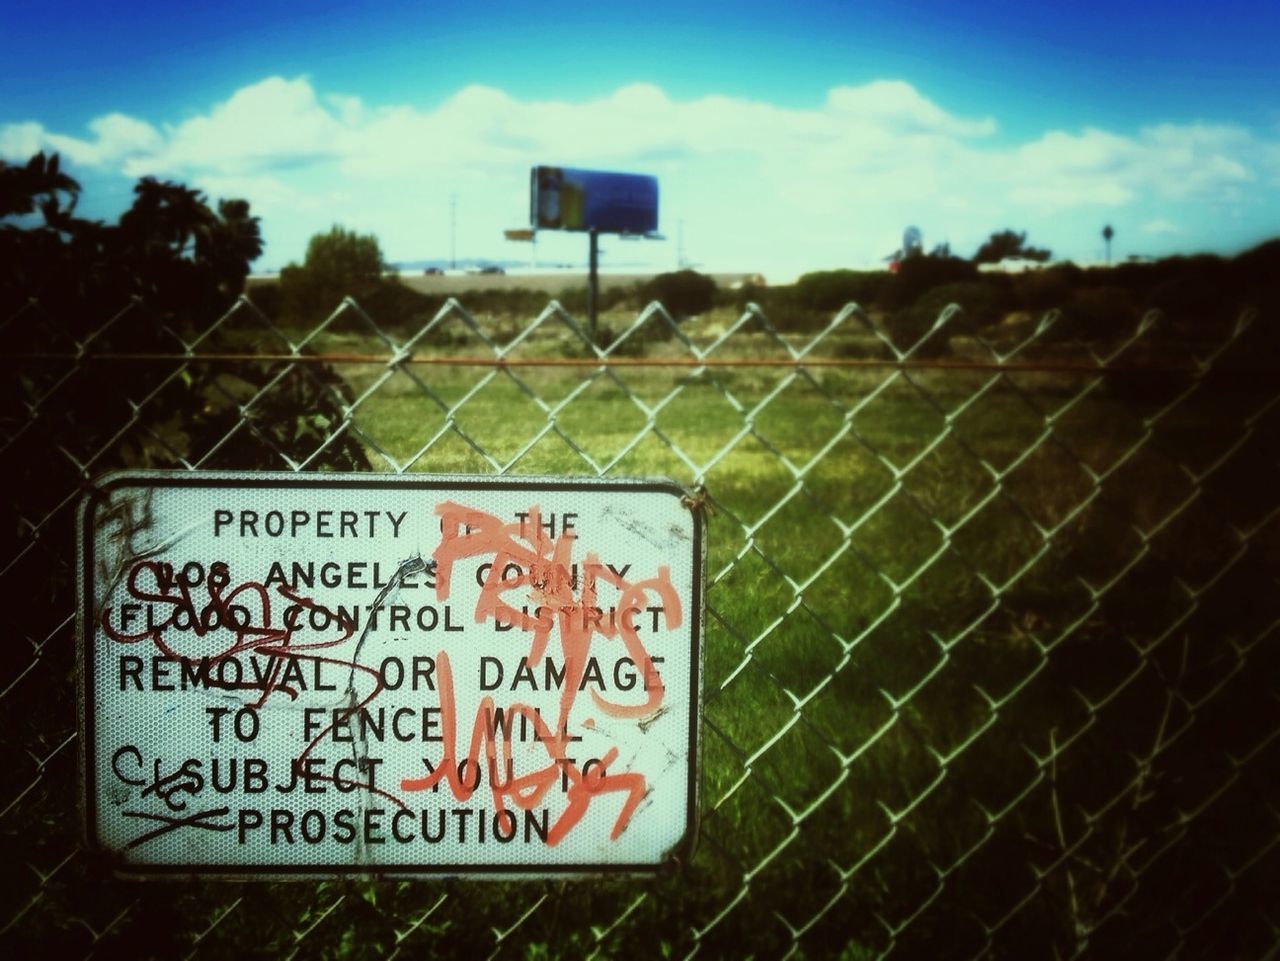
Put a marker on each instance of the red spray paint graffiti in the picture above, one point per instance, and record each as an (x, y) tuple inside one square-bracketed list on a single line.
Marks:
[(545, 562)]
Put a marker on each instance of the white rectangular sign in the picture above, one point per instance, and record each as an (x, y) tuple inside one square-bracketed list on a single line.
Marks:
[(312, 674)]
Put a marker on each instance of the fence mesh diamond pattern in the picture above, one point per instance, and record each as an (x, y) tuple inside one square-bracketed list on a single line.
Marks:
[(990, 661)]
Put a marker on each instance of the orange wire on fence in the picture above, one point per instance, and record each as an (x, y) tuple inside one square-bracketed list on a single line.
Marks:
[(877, 363)]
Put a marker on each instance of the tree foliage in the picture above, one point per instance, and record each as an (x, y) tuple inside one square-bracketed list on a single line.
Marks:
[(916, 275), (147, 285), (1007, 243), (170, 248), (685, 293), (339, 263), (830, 290)]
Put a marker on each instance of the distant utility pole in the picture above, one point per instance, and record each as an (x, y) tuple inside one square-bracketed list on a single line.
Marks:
[(453, 231), (680, 244)]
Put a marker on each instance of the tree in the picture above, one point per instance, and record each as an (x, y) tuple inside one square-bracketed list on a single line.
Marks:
[(186, 251), (147, 285), (169, 248), (338, 264), (1107, 234), (916, 275), (829, 290), (685, 293), (36, 185), (1007, 243)]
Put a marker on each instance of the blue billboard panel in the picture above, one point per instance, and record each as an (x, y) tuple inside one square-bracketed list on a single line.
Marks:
[(565, 198)]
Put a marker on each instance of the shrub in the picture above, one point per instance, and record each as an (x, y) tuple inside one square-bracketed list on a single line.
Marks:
[(1254, 272), (1137, 277), (395, 305), (783, 308), (908, 325), (685, 293), (655, 331), (919, 274), (984, 301), (266, 297), (830, 290), (749, 293), (574, 299), (512, 302), (1041, 290), (1253, 276), (1101, 312), (1196, 296)]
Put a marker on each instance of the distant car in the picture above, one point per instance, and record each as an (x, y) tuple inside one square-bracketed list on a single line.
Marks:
[(492, 269), (433, 271)]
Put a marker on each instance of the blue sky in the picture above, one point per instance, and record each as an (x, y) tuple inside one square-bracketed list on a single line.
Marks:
[(785, 136)]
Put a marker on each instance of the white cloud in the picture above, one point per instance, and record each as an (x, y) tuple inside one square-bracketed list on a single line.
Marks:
[(269, 125), (1160, 227), (751, 181), (116, 138), (898, 106), (20, 140), (265, 189), (120, 136), (1202, 160)]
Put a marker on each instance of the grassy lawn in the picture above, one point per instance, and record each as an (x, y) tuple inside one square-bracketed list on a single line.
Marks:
[(945, 613)]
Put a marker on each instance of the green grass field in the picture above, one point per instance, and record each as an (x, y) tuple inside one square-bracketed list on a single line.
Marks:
[(945, 614)]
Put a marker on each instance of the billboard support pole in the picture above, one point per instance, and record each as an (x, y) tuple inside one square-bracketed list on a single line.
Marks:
[(593, 282)]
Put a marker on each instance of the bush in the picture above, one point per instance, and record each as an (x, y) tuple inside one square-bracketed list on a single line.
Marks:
[(685, 293), (919, 274), (395, 305), (1253, 275), (1101, 312), (513, 302), (655, 331), (830, 290), (1197, 296), (1136, 277), (574, 299), (984, 301), (1254, 272), (1041, 290), (908, 325), (748, 293), (266, 297), (782, 307)]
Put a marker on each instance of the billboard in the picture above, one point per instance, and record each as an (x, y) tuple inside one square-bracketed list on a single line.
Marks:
[(303, 675), (566, 198)]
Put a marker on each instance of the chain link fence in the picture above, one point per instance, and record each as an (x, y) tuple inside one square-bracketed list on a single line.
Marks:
[(991, 663)]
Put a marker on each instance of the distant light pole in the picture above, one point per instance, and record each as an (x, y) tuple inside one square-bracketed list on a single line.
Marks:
[(453, 231), (1107, 234)]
